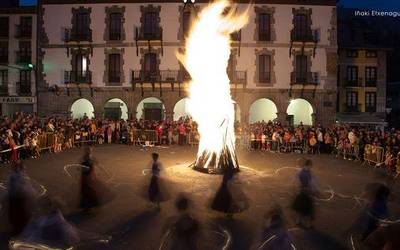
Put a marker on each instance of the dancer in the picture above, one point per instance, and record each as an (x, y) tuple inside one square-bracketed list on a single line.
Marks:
[(183, 232), (276, 235), (156, 191), (94, 193), (229, 199), (303, 204), (51, 229), (22, 198)]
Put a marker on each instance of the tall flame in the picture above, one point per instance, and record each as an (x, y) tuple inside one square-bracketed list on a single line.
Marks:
[(208, 48)]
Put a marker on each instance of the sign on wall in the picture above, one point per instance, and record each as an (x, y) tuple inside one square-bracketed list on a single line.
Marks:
[(18, 99)]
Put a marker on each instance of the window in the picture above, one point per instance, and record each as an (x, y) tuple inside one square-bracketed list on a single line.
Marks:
[(370, 76), (150, 66), (301, 68), (352, 99), (24, 52), (4, 52), (264, 27), (264, 68), (115, 26), (150, 24), (371, 54), (114, 69), (301, 26), (80, 67), (25, 26), (24, 82), (3, 77), (4, 27), (370, 101), (81, 25), (352, 53), (185, 23), (352, 75)]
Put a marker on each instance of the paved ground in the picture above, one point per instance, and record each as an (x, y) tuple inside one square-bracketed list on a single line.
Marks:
[(266, 179)]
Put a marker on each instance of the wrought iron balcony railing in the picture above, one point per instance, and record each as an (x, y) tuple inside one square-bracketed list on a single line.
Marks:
[(370, 82), (78, 77), (349, 108), (370, 109), (148, 35), (24, 57), (304, 78), (358, 82), (23, 31), (72, 35), (24, 88), (236, 36), (304, 36), (238, 77)]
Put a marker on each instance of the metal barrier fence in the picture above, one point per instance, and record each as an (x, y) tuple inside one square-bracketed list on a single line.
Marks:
[(374, 155), (145, 137)]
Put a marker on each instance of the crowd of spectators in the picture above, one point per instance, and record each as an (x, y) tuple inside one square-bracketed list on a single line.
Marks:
[(23, 136)]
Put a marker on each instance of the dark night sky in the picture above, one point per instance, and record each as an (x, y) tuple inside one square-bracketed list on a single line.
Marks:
[(376, 4)]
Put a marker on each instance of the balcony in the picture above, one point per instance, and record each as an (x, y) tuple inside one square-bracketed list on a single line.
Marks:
[(78, 77), (4, 59), (347, 108), (142, 34), (311, 78), (358, 82), (370, 109), (115, 36), (24, 57), (264, 77), (24, 88), (115, 77), (236, 36), (370, 82), (4, 89), (304, 36), (23, 32), (238, 77), (71, 35)]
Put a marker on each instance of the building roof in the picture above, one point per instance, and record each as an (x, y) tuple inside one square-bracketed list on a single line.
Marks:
[(293, 2)]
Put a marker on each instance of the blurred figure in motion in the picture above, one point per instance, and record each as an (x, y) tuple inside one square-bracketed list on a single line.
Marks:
[(94, 192), (183, 230), (157, 191), (50, 228), (22, 198), (229, 198), (366, 229), (303, 204), (275, 235)]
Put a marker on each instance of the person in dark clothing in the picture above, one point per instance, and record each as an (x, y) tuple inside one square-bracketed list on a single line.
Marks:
[(303, 204), (94, 193), (156, 190)]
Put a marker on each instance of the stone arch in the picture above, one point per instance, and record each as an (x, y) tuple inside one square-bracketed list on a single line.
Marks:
[(180, 109), (301, 110), (80, 107), (262, 109), (154, 104), (111, 109)]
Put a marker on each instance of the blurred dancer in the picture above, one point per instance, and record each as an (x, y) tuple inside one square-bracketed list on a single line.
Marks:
[(156, 192), (22, 198), (275, 235), (185, 228), (229, 199), (303, 204), (94, 193), (51, 229)]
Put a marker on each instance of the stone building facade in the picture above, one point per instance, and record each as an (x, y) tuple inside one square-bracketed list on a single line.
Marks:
[(125, 49), (17, 59)]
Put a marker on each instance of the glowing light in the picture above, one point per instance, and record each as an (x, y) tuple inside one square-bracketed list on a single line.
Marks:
[(208, 48)]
